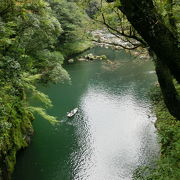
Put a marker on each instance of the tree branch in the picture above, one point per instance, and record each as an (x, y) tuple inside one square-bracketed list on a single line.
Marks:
[(120, 45)]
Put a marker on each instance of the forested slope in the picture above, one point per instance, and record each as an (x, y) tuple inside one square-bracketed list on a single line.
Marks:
[(34, 36)]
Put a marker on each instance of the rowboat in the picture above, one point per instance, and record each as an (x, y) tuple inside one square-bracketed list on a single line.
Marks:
[(72, 113)]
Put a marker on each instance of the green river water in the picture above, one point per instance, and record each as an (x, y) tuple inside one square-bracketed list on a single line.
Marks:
[(112, 134)]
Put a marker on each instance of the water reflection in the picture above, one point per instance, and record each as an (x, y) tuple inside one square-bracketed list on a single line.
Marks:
[(111, 135), (115, 136)]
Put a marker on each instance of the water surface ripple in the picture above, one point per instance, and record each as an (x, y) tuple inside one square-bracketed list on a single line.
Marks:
[(111, 136)]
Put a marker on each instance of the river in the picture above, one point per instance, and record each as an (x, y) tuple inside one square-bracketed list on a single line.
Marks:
[(112, 134)]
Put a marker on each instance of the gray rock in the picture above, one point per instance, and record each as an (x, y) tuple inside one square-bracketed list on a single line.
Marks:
[(71, 61)]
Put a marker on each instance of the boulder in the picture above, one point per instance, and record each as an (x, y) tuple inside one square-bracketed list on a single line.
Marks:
[(70, 61), (90, 56), (82, 59)]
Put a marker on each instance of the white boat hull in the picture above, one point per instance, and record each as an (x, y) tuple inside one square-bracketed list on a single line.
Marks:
[(72, 113)]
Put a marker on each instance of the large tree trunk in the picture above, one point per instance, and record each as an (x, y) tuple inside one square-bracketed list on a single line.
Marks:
[(143, 16), (145, 19), (170, 95)]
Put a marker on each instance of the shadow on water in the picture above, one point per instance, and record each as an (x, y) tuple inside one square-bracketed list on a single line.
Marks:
[(112, 134)]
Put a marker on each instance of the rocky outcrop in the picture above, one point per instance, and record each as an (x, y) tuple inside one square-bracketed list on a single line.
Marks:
[(104, 38), (70, 61), (91, 57)]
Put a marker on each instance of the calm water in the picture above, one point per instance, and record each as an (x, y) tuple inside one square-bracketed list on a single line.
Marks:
[(112, 134)]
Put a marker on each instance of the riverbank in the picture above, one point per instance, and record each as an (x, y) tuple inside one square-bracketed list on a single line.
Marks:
[(71, 50), (168, 128), (104, 38), (169, 132)]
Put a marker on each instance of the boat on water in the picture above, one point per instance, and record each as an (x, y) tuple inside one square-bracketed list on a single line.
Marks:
[(72, 113)]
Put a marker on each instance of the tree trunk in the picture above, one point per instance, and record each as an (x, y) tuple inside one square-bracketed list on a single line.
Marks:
[(170, 95), (145, 19), (148, 23)]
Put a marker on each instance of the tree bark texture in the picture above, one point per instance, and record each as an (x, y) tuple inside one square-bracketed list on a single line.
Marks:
[(170, 95)]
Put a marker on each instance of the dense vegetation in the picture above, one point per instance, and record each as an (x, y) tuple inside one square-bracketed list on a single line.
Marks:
[(169, 133), (37, 35), (34, 36)]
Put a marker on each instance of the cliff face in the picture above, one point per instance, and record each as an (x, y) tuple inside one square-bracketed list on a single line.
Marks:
[(15, 135)]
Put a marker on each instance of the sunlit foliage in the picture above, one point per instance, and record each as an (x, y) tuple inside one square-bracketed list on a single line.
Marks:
[(32, 36)]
